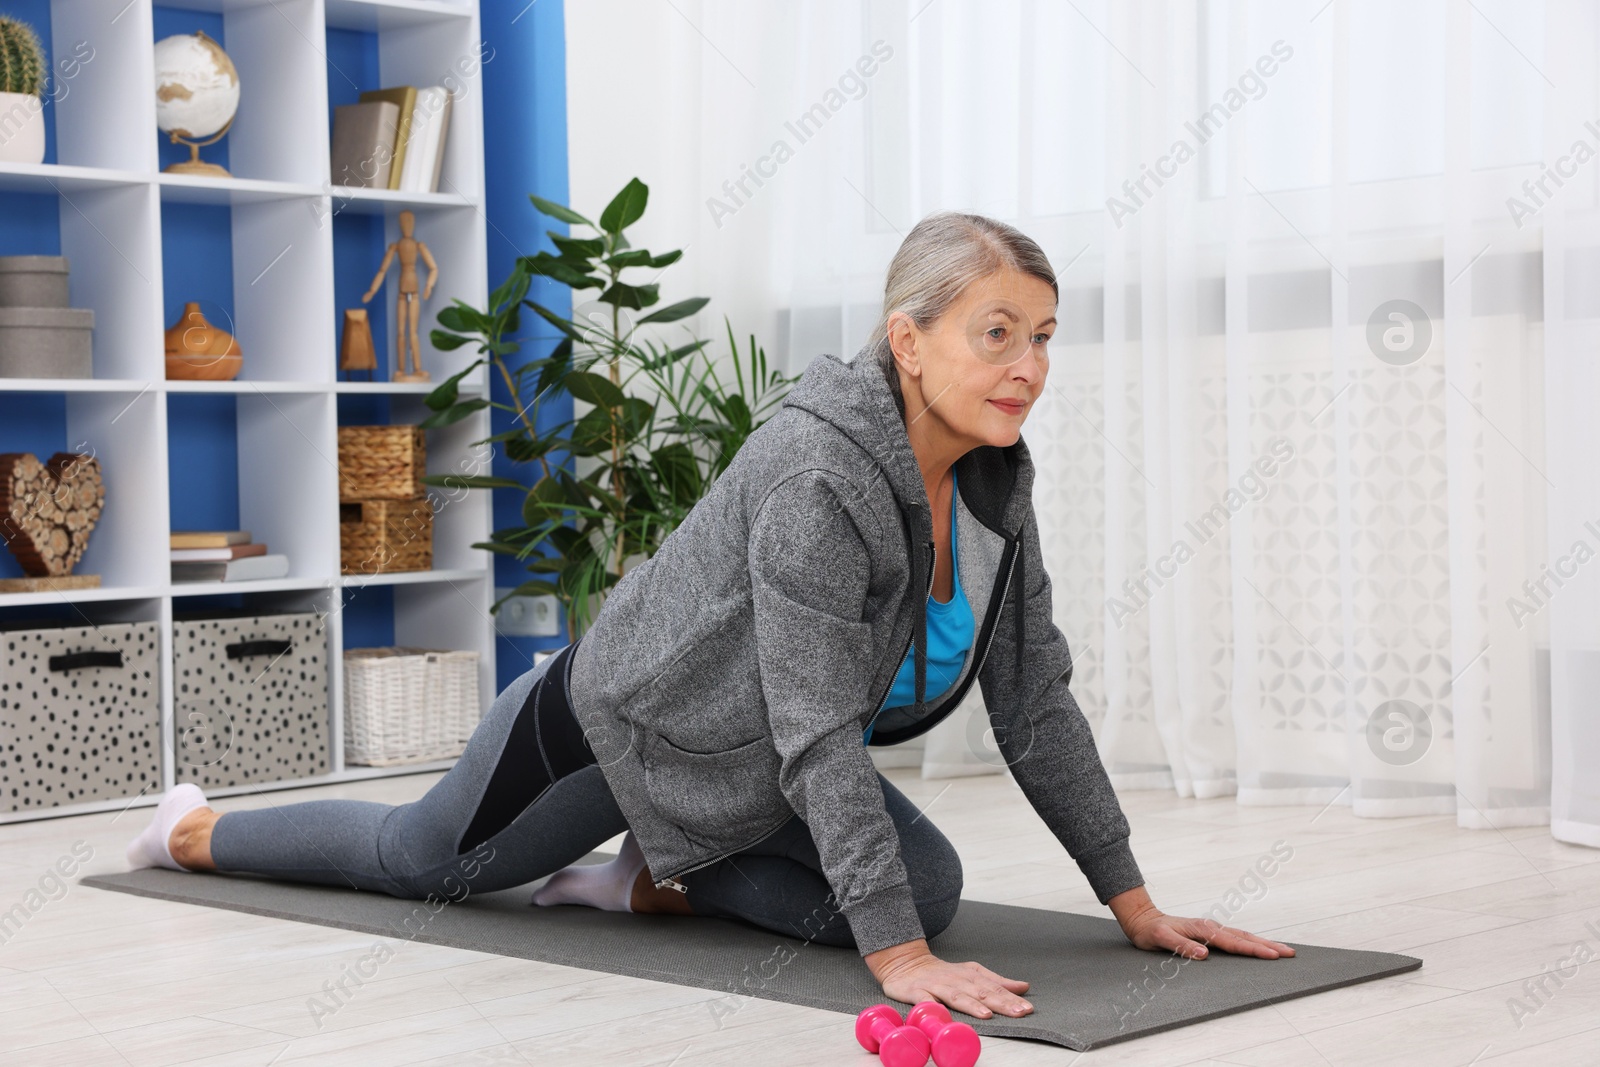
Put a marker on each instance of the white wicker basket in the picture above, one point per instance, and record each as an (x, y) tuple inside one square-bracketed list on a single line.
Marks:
[(408, 705)]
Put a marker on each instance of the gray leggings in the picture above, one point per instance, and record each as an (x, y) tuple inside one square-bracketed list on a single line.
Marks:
[(411, 850)]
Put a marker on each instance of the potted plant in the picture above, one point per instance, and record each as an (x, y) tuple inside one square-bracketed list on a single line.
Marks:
[(22, 77), (653, 456)]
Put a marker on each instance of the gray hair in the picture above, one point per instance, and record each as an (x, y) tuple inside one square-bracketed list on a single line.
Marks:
[(942, 255)]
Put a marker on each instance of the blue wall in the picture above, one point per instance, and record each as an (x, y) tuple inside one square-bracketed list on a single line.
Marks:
[(525, 149)]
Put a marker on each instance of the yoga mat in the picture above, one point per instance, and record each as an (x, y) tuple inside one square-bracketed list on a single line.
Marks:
[(1090, 987)]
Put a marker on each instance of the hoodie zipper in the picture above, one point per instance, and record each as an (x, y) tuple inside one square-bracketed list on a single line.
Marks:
[(993, 629), (671, 880), (933, 558)]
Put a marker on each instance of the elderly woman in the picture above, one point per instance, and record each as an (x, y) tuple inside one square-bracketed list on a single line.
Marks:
[(869, 554)]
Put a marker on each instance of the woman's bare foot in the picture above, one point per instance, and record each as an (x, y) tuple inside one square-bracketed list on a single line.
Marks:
[(648, 900)]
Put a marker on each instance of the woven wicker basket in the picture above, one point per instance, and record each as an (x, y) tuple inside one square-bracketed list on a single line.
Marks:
[(381, 462), (379, 536), (408, 705)]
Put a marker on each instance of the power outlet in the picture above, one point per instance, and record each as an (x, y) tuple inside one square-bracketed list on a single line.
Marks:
[(527, 616)]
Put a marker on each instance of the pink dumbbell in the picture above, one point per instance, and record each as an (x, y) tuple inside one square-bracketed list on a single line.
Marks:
[(880, 1029), (954, 1044)]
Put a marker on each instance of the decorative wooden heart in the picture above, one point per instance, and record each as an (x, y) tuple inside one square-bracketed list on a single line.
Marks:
[(48, 510)]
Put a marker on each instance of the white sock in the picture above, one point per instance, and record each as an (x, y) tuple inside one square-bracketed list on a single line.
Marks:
[(596, 885), (150, 849)]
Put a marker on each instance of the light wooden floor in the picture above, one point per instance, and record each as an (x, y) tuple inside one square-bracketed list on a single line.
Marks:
[(96, 977)]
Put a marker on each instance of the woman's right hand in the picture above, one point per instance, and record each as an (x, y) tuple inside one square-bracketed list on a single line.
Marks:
[(911, 973)]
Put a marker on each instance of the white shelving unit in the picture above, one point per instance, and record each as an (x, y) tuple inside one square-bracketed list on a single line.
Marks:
[(112, 199)]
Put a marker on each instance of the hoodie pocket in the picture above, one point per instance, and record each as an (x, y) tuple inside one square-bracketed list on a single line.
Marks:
[(715, 796)]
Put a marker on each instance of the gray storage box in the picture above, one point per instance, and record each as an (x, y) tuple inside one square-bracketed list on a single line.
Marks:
[(250, 698), (80, 714), (33, 282), (46, 342)]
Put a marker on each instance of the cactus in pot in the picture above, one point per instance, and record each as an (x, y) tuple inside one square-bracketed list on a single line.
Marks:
[(23, 72)]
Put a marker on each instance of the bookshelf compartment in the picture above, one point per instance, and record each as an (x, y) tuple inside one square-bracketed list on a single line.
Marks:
[(460, 516), (385, 45), (94, 57), (250, 697), (277, 132), (108, 233), (258, 270), (449, 614), (258, 462), (359, 242), (80, 708), (119, 430)]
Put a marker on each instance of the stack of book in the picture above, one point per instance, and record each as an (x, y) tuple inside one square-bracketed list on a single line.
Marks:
[(392, 139), (222, 556)]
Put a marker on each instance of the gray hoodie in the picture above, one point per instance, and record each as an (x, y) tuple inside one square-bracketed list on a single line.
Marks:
[(726, 682)]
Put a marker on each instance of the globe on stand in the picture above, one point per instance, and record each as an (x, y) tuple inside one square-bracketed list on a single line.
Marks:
[(197, 95)]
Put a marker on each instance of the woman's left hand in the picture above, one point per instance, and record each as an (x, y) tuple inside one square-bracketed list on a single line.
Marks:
[(1148, 927)]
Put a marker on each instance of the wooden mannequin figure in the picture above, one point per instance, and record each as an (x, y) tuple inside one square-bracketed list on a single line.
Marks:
[(408, 307)]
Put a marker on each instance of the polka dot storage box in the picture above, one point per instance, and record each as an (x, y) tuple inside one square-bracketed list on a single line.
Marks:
[(80, 713), (250, 697)]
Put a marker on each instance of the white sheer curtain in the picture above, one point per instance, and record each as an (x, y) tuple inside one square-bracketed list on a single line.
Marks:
[(1317, 454)]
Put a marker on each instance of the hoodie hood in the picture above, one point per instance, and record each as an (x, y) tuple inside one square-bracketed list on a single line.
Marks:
[(995, 483)]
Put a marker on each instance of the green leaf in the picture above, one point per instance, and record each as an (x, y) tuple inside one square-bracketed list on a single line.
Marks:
[(678, 469), (513, 289), (572, 543), (591, 435), (593, 389), (518, 430), (545, 496), (455, 413), (560, 270), (555, 320), (573, 248), (672, 356), (633, 257), (446, 393), (553, 367), (470, 481), (667, 258), (623, 295), (737, 411), (461, 318), (634, 414), (497, 547), (447, 342), (625, 208), (673, 312), (560, 211), (608, 499), (525, 450)]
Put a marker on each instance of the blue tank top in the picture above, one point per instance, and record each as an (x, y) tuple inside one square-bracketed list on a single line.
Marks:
[(950, 633)]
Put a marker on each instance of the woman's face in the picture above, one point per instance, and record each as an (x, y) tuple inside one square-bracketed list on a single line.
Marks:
[(979, 369)]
